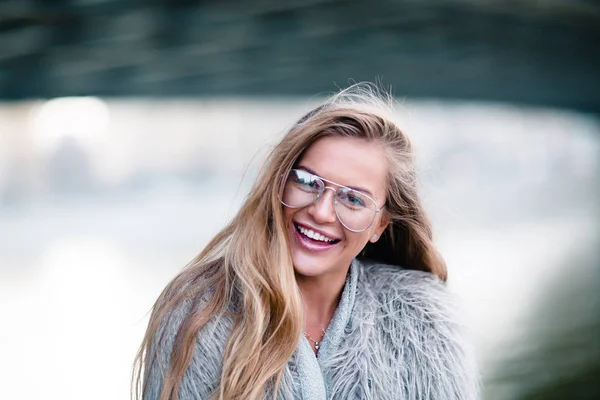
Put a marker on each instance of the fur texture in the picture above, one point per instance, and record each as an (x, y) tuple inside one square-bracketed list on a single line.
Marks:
[(394, 335)]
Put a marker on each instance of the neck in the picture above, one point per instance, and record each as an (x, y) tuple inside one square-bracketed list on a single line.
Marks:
[(321, 296)]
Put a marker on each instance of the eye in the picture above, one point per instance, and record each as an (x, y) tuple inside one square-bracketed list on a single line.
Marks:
[(306, 180), (355, 200), (352, 199)]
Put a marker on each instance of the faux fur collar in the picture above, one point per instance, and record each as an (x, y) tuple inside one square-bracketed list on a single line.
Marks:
[(395, 335)]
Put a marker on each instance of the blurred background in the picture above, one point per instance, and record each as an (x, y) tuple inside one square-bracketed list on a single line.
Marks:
[(131, 130)]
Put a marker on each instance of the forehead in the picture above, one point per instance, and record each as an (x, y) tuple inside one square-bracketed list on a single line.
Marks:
[(349, 162)]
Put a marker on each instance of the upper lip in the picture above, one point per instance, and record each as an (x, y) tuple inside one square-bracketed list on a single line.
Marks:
[(327, 235)]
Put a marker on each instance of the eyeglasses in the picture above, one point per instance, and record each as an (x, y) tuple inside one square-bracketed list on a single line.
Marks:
[(355, 210)]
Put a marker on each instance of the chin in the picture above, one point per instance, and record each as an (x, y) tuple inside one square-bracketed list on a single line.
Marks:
[(313, 265), (308, 267)]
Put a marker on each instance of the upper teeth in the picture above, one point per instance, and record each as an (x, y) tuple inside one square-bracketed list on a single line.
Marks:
[(314, 235)]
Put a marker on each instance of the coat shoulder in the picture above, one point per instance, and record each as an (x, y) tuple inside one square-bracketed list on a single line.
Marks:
[(391, 284), (419, 323), (203, 373)]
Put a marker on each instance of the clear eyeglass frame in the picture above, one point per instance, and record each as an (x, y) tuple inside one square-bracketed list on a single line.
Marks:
[(319, 194)]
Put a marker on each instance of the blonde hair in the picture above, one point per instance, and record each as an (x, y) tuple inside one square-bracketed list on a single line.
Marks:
[(248, 263)]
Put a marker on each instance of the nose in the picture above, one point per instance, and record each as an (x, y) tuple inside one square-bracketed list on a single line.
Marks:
[(322, 210)]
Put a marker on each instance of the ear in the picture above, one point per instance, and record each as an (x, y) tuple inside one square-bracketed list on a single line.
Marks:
[(380, 228)]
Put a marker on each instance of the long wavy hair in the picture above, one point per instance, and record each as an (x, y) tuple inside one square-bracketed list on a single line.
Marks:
[(249, 261)]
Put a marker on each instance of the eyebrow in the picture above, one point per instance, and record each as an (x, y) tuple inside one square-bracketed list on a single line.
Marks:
[(358, 189)]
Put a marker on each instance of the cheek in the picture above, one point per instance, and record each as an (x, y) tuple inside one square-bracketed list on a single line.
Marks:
[(288, 213), (356, 241)]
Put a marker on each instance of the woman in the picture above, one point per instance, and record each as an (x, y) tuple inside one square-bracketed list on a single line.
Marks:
[(325, 285)]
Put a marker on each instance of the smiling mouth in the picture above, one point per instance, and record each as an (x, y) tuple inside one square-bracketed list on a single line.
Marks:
[(309, 234)]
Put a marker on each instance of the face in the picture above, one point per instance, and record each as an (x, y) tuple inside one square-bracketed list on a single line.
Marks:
[(348, 162)]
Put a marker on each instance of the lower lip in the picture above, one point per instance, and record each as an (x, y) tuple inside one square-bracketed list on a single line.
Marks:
[(310, 244)]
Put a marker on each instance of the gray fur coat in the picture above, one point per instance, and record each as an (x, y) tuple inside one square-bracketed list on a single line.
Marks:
[(393, 336)]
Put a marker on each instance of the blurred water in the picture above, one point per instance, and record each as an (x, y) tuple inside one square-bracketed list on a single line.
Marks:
[(78, 278), (513, 193)]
